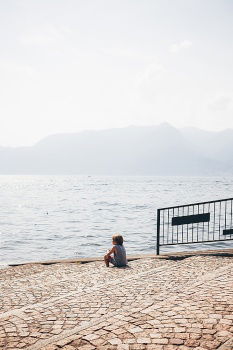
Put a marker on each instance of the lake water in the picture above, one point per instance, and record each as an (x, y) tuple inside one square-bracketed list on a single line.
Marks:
[(56, 217)]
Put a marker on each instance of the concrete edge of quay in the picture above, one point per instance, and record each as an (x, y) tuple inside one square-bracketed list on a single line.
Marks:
[(172, 256)]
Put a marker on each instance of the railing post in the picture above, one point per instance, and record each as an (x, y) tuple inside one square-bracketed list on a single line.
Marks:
[(158, 230)]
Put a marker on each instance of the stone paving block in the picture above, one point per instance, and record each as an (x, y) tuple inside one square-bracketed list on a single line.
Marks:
[(50, 347), (163, 341), (86, 347)]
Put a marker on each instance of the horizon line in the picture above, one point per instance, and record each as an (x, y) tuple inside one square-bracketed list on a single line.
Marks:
[(115, 128)]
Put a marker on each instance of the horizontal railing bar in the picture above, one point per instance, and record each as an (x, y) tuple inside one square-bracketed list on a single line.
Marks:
[(219, 240), (190, 219), (228, 232), (191, 204)]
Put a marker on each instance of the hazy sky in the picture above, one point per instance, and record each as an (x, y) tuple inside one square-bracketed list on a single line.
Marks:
[(69, 65)]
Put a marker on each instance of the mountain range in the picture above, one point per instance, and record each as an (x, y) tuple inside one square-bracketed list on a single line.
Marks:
[(134, 150)]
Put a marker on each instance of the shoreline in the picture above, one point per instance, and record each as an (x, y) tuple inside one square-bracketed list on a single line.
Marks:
[(179, 255)]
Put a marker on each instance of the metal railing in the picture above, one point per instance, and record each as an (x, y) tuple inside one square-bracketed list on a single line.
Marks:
[(195, 223)]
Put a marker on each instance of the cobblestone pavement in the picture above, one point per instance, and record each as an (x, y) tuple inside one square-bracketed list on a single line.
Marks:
[(158, 304)]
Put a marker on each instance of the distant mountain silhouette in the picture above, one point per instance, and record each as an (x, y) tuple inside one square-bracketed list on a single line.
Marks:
[(217, 146), (154, 150)]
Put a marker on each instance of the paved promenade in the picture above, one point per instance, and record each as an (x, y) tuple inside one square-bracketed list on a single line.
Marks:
[(160, 304)]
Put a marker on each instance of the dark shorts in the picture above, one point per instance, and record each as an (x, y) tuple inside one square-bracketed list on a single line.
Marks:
[(113, 261)]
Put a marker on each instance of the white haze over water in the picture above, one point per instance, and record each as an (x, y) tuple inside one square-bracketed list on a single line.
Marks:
[(56, 217), (72, 65)]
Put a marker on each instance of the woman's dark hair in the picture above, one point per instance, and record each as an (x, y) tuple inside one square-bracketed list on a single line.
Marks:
[(118, 239)]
